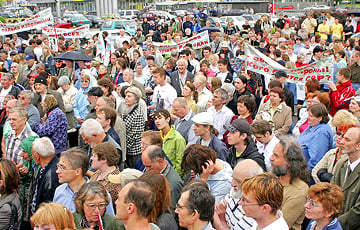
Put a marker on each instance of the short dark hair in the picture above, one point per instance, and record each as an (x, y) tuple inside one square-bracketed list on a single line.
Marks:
[(201, 200), (346, 72), (107, 83), (223, 61), (77, 159), (186, 52), (195, 156), (341, 52), (277, 53), (107, 151), (161, 112), (249, 102), (142, 195), (109, 113), (261, 127), (274, 83), (160, 71)]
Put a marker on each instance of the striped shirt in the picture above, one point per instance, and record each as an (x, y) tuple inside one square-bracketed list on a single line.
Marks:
[(235, 215)]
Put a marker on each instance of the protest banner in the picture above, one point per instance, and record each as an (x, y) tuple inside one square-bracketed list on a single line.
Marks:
[(38, 20), (257, 62), (78, 32), (198, 41)]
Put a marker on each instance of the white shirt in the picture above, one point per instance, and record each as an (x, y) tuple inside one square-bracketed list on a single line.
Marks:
[(164, 95), (221, 118), (267, 150), (279, 224), (203, 100)]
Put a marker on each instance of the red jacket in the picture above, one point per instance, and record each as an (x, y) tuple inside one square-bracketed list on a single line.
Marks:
[(340, 99)]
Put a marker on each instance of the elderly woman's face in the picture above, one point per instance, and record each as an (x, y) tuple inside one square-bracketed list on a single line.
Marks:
[(275, 98), (93, 206), (314, 210), (85, 83), (130, 99), (354, 106)]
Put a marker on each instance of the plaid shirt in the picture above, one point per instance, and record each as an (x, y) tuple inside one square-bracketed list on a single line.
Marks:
[(13, 150), (135, 125)]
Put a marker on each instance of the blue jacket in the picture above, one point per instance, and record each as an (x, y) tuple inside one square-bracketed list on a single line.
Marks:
[(218, 146), (315, 142), (333, 225), (81, 103)]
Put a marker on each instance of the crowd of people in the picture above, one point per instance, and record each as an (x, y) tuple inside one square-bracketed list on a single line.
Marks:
[(184, 139)]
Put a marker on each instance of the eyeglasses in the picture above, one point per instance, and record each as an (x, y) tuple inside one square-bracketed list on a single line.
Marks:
[(84, 81), (178, 206), (61, 168), (311, 202), (244, 202), (100, 206)]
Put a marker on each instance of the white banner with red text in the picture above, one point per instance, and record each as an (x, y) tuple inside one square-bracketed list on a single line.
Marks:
[(322, 70), (38, 20), (78, 32), (198, 41)]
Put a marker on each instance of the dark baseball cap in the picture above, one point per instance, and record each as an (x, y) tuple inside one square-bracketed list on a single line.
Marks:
[(41, 79), (95, 91), (318, 49), (239, 125), (280, 73)]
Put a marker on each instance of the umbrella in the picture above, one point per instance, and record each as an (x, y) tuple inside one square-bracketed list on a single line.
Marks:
[(74, 56), (210, 29)]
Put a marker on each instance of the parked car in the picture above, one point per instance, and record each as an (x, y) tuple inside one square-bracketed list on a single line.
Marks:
[(7, 14), (237, 20), (110, 16), (68, 13), (286, 7), (113, 26), (317, 7), (95, 21), (166, 15), (148, 15), (213, 20), (252, 18), (26, 13), (129, 14), (78, 20), (273, 17)]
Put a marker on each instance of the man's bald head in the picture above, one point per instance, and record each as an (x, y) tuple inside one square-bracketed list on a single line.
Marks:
[(248, 168)]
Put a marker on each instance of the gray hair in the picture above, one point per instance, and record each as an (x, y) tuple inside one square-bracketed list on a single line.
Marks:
[(39, 65), (155, 152), (20, 111), (9, 76), (63, 80), (28, 94), (294, 156), (229, 87), (224, 94), (130, 71), (182, 60), (135, 91), (91, 127), (44, 147)]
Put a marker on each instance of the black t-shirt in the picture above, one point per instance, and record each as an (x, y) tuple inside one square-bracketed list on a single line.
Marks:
[(245, 27)]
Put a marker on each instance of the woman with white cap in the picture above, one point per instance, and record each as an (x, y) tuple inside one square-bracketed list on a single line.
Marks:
[(355, 106)]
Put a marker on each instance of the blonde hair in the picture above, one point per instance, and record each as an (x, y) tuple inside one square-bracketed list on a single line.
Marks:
[(56, 214), (343, 116)]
